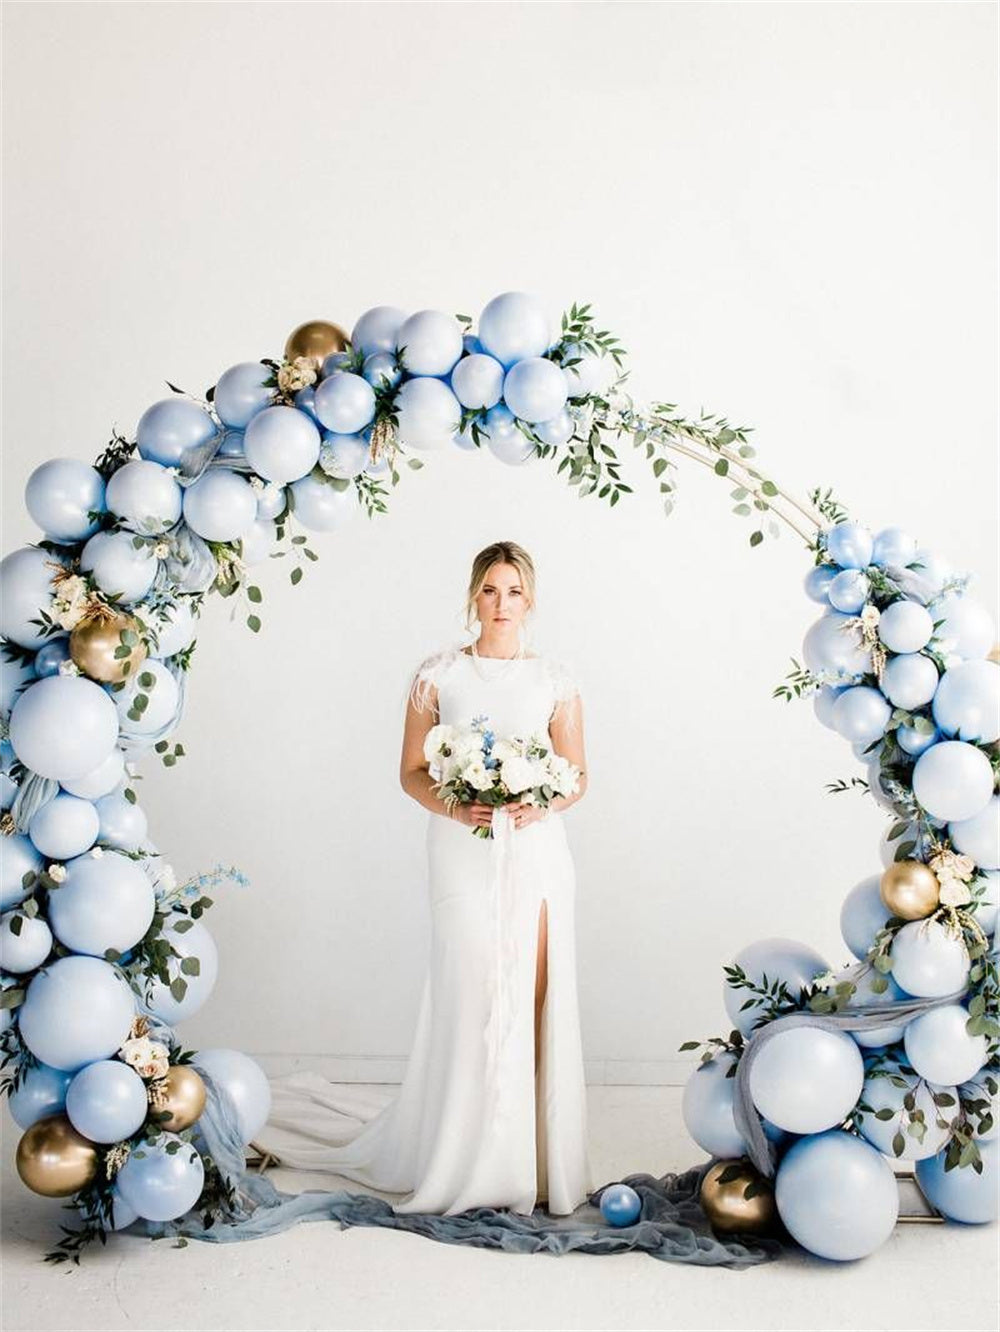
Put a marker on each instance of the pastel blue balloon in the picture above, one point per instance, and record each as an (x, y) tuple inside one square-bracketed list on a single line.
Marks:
[(102, 903), (428, 413), (863, 976), (76, 1010), (144, 497), (961, 1194), (27, 949), (122, 1215), (175, 627), (8, 787), (863, 915), (967, 627), (913, 741), (220, 505), (281, 443), (15, 676), (123, 823), (118, 567), (429, 342), (41, 1092), (849, 590), (557, 431), (345, 403), (861, 714), (242, 392), (836, 1195), (271, 501), (101, 779), (477, 381), (535, 389), (259, 542), (893, 547), (159, 685), (849, 545), (376, 329), (883, 1095), (61, 494), (818, 580), (8, 1015), (337, 363), (162, 1180), (979, 836), (832, 645), (807, 1079), (472, 344), (514, 326), (909, 680), (784, 960), (305, 401), (707, 1109), (321, 507), (823, 701), (170, 428), (504, 439), (20, 857), (25, 589), (928, 960), (51, 655), (195, 942), (382, 368), (918, 843), (345, 456), (64, 827), (952, 780), (246, 1083), (107, 1101), (466, 440), (63, 726), (923, 576), (620, 1205), (231, 446), (940, 1048), (967, 702), (876, 784), (905, 626)]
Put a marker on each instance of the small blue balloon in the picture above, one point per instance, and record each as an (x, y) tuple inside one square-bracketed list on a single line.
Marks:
[(849, 590), (64, 827), (345, 403), (51, 655), (849, 545), (514, 326), (242, 392), (107, 1101), (559, 430), (477, 381), (381, 368), (818, 580), (960, 1193), (305, 401), (145, 497), (42, 1091), (861, 714), (62, 495), (823, 701), (892, 546), (232, 445), (914, 741), (376, 329), (620, 1205), (171, 427), (863, 915), (535, 389)]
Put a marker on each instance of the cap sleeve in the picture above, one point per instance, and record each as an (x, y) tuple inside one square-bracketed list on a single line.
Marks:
[(427, 677), (565, 682)]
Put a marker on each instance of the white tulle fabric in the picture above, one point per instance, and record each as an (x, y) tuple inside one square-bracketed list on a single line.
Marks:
[(472, 1124)]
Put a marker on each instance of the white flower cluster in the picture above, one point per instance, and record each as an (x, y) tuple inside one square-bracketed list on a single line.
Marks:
[(297, 374), (69, 601), (469, 759), (149, 1058)]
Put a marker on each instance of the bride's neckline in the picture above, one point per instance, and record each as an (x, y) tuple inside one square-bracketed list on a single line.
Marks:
[(510, 660)]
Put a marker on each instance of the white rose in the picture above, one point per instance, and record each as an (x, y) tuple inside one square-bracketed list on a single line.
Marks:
[(517, 774), (502, 750), (478, 775), (57, 873), (149, 1058)]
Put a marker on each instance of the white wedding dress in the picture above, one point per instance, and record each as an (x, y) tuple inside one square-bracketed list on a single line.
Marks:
[(472, 1125)]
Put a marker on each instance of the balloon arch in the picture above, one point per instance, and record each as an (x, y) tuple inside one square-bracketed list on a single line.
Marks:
[(827, 1075)]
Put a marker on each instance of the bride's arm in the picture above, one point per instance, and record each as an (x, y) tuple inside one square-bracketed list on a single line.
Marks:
[(566, 729), (414, 776)]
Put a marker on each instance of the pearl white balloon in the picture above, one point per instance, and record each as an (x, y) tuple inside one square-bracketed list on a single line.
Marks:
[(175, 628), (144, 496), (806, 1079), (281, 444), (429, 343), (163, 695), (104, 902), (64, 827), (63, 726), (27, 949), (220, 505), (905, 626), (60, 496), (979, 836), (345, 403), (477, 381), (100, 779), (118, 567), (513, 326), (967, 702), (20, 857), (953, 780), (321, 507), (928, 960), (376, 329), (25, 590), (76, 1010), (940, 1049), (909, 681), (428, 413), (968, 629)]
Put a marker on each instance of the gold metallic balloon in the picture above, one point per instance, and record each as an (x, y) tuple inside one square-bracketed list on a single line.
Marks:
[(53, 1159), (96, 642), (183, 1097), (910, 889), (994, 653), (726, 1207), (316, 339)]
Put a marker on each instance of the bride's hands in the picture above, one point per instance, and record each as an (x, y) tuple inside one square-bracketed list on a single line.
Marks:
[(474, 815), (523, 815)]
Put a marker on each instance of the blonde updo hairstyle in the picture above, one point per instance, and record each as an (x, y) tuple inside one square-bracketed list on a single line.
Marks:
[(500, 552)]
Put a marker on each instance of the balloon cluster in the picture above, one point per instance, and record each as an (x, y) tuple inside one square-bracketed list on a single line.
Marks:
[(100, 954), (902, 664)]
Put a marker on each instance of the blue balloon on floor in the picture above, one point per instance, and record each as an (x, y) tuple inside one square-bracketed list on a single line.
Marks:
[(837, 1195), (960, 1193), (620, 1205)]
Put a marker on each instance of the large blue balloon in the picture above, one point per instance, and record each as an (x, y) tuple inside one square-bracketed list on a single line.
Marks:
[(220, 505), (192, 940), (376, 329), (144, 496), (345, 403), (806, 1079), (162, 1180), (428, 413), (64, 827), (41, 1092), (929, 960), (953, 780), (320, 506), (169, 429), (861, 714), (535, 389), (65, 497), (967, 702), (102, 903), (863, 976), (940, 1048), (967, 627), (837, 1195), (63, 727), (427, 343), (477, 381), (514, 326), (242, 392), (894, 548), (25, 589), (909, 680), (960, 1193), (905, 626), (850, 545), (784, 960), (281, 443), (246, 1083), (833, 645), (849, 591), (118, 567), (107, 1101), (76, 1010)]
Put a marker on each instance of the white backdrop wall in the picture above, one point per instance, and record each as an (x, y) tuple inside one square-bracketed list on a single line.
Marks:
[(787, 213)]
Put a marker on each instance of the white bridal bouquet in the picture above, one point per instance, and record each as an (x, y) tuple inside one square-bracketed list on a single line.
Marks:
[(469, 763)]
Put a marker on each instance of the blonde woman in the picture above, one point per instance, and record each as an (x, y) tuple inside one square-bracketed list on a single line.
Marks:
[(492, 1110)]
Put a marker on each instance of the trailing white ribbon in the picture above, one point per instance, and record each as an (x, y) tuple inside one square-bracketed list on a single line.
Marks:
[(503, 1006)]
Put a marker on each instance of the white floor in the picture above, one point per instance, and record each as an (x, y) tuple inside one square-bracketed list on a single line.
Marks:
[(317, 1276)]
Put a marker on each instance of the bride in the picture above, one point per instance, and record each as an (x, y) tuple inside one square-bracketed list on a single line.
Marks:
[(492, 1110)]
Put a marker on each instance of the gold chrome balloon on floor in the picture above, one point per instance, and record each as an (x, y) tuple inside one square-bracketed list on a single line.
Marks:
[(724, 1203), (98, 649), (910, 889), (316, 339), (181, 1095), (53, 1159)]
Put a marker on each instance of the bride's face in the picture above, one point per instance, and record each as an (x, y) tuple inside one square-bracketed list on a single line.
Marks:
[(502, 602)]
